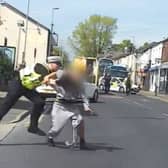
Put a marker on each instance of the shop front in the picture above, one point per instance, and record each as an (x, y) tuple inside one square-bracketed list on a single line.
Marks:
[(164, 78)]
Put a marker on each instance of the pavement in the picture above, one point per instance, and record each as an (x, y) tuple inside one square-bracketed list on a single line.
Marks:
[(19, 109), (18, 112), (128, 132), (162, 97)]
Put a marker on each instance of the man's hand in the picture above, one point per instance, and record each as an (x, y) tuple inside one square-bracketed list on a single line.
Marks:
[(52, 82), (46, 80), (88, 111)]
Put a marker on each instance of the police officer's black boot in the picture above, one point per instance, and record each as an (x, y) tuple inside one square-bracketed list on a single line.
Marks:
[(33, 128)]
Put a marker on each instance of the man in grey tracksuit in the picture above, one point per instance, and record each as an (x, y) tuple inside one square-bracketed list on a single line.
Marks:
[(70, 101)]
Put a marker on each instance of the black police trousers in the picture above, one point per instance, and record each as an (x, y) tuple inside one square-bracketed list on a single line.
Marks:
[(15, 91)]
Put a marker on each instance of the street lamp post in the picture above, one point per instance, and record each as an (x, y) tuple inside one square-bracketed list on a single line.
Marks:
[(26, 33), (51, 31), (20, 24)]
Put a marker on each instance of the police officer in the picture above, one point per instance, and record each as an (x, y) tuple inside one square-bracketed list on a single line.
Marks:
[(16, 90), (128, 85), (107, 79)]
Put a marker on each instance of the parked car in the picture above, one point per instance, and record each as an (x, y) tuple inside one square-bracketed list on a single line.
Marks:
[(91, 91)]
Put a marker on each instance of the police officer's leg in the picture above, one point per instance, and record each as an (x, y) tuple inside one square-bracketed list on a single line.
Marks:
[(127, 91), (38, 107), (15, 91)]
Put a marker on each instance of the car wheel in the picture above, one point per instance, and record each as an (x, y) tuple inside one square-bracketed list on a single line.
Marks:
[(95, 96), (101, 87), (121, 90)]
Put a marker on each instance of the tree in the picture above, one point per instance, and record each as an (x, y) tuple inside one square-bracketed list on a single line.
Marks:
[(93, 36), (144, 47), (59, 51), (126, 46)]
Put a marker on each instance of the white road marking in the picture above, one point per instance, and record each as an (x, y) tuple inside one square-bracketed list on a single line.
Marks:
[(165, 114), (138, 104), (145, 100)]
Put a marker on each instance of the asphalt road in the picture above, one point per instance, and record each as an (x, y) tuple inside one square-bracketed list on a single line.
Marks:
[(129, 132)]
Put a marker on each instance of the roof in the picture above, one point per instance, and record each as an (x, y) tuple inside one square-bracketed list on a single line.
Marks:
[(24, 15), (163, 41), (152, 45)]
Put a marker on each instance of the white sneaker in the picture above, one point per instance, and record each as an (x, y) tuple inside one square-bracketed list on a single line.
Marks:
[(76, 120)]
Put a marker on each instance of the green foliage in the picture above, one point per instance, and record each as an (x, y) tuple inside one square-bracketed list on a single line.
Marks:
[(93, 36), (144, 47), (126, 46)]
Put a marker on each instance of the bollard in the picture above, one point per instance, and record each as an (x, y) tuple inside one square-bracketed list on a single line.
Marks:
[(156, 90)]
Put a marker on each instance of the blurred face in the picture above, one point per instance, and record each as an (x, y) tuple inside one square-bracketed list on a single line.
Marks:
[(75, 75), (53, 67)]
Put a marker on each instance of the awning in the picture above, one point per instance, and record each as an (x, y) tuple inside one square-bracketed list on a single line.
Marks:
[(154, 68), (146, 69)]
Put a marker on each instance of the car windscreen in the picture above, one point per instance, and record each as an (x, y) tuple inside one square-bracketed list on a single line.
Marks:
[(120, 74)]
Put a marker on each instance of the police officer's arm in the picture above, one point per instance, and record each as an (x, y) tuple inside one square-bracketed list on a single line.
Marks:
[(48, 77)]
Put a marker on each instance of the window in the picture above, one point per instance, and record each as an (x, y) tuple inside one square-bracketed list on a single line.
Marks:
[(35, 53), (5, 41)]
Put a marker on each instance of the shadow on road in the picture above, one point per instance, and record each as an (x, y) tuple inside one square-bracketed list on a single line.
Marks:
[(61, 145), (23, 144), (102, 146), (110, 93), (140, 118), (99, 102), (92, 147)]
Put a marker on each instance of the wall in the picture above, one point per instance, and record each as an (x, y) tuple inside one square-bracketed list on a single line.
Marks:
[(37, 37), (156, 53), (165, 52)]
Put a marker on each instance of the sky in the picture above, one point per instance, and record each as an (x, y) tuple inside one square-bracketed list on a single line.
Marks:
[(139, 21)]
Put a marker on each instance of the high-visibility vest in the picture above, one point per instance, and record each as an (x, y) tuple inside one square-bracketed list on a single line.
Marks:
[(29, 78)]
